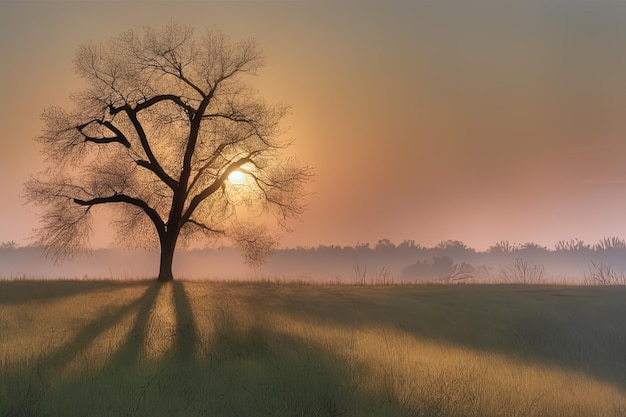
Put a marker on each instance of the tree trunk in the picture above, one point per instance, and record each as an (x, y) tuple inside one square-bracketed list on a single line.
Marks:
[(167, 256)]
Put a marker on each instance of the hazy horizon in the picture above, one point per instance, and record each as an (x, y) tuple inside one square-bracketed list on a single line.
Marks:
[(384, 262)]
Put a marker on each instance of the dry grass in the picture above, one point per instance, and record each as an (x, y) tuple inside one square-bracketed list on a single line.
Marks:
[(262, 349)]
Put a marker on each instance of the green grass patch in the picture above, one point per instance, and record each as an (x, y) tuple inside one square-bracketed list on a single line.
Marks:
[(263, 349)]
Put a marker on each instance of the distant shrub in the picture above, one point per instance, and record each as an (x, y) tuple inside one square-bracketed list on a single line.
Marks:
[(360, 274), (521, 272), (441, 268), (462, 272), (603, 274), (382, 277)]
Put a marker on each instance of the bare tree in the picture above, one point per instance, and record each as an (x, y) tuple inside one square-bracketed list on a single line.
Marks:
[(603, 274), (612, 243), (521, 272), (462, 272), (165, 120)]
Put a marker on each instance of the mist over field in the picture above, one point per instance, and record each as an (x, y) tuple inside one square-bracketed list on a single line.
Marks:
[(383, 263)]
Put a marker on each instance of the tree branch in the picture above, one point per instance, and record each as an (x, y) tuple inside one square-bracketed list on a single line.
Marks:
[(208, 163), (119, 136), (123, 198), (171, 97), (233, 117), (193, 137), (199, 198), (205, 227), (153, 164)]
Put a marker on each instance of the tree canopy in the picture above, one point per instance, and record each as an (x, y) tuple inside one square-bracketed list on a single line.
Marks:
[(165, 118)]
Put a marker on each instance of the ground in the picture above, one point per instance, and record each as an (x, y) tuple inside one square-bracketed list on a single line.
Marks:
[(268, 349)]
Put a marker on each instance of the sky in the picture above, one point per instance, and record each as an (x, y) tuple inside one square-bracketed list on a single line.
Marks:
[(477, 121)]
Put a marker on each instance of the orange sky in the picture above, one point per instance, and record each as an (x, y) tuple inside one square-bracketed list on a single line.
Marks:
[(476, 121)]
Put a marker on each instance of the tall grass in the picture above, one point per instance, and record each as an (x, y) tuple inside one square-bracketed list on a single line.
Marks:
[(262, 349)]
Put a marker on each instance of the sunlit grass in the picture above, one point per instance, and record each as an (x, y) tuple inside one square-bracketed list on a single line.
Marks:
[(160, 330), (262, 349)]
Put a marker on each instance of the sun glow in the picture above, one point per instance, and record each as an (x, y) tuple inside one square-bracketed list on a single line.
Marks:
[(237, 178), (242, 176)]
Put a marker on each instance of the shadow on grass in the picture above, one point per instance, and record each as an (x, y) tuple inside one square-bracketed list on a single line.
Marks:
[(131, 349), (27, 385), (254, 370), (575, 328), (18, 291), (245, 365), (187, 338)]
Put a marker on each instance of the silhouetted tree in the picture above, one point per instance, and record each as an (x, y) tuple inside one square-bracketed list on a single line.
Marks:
[(610, 244), (385, 244), (11, 244), (165, 119), (453, 248), (571, 245), (409, 244), (532, 247), (503, 246)]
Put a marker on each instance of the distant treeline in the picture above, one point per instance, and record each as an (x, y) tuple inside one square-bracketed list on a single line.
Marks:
[(504, 246), (385, 262), (453, 261)]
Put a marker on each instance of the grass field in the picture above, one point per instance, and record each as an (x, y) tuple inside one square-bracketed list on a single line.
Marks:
[(261, 349)]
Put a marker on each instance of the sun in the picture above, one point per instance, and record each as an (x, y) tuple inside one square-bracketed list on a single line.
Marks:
[(237, 178), (243, 175)]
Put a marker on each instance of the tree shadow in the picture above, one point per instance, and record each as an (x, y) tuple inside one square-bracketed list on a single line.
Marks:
[(97, 327), (18, 292), (555, 326), (228, 357), (187, 338), (240, 370), (42, 373)]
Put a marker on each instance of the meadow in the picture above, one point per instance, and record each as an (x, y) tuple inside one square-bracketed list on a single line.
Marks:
[(235, 349)]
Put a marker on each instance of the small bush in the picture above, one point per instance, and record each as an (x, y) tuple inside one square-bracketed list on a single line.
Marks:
[(603, 274), (521, 272)]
